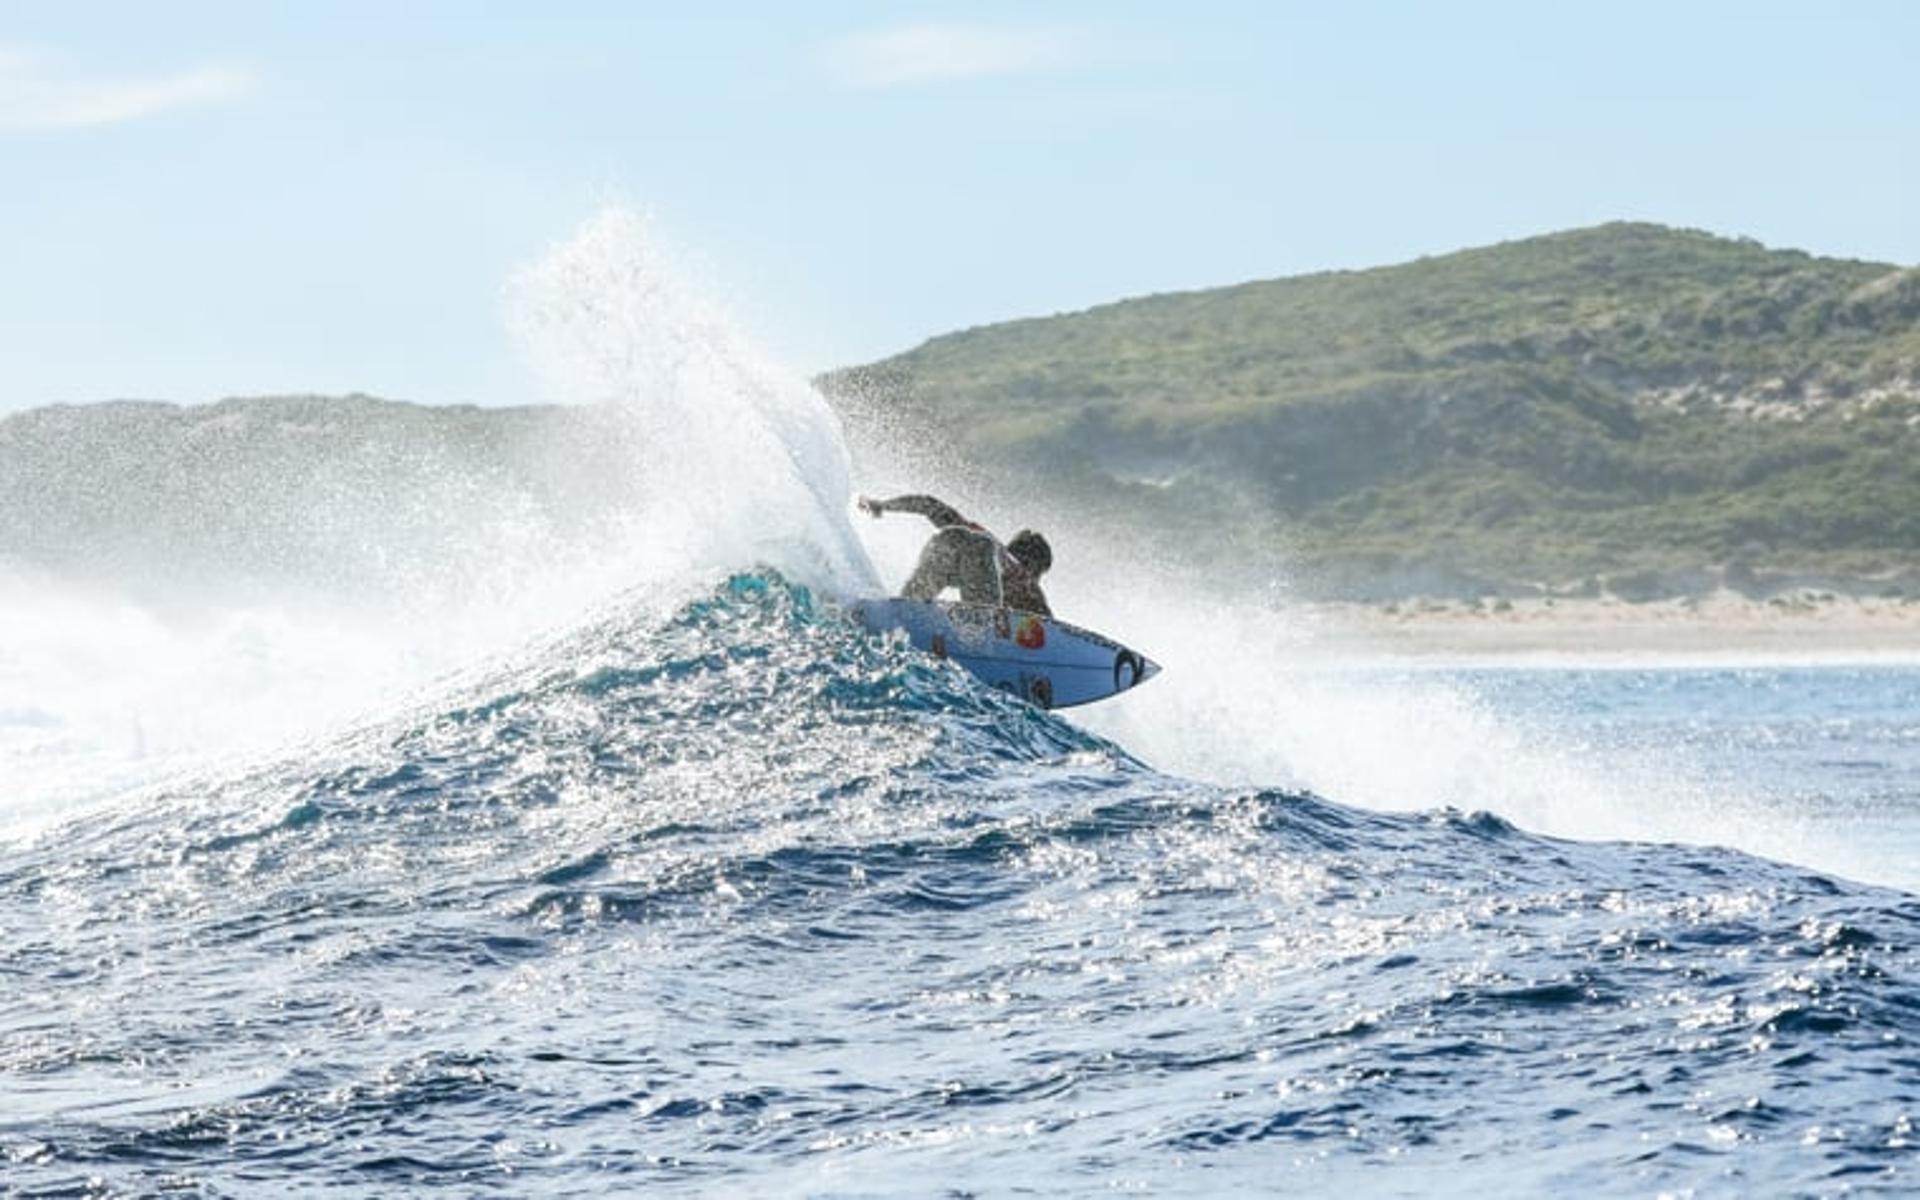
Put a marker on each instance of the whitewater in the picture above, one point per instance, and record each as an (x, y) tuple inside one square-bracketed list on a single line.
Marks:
[(394, 821)]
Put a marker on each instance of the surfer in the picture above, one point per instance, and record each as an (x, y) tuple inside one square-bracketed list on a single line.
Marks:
[(963, 555)]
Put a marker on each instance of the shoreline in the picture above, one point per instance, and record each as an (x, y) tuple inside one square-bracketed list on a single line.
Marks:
[(1722, 629)]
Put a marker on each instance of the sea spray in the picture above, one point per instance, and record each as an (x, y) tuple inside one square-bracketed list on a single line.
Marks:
[(1257, 692), (181, 586), (740, 461)]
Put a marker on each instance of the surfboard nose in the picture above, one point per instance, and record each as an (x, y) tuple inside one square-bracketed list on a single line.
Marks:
[(1130, 670)]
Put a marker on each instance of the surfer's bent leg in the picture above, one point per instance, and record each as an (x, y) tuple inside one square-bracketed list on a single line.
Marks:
[(955, 558)]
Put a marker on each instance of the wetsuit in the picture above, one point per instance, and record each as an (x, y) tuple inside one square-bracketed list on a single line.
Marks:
[(965, 556)]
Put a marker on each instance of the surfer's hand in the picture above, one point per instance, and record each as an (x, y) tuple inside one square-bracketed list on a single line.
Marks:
[(869, 506)]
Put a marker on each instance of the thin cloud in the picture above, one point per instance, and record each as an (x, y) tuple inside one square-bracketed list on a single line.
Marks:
[(918, 55), (33, 95)]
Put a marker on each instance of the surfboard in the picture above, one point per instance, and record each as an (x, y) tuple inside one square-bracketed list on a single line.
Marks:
[(1043, 661)]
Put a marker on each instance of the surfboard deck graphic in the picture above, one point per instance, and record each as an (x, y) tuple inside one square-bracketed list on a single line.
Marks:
[(1044, 661)]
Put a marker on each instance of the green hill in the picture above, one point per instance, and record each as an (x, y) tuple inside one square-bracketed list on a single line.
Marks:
[(1624, 401)]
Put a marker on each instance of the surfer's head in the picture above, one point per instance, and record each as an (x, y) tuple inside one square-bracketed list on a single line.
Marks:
[(1032, 551)]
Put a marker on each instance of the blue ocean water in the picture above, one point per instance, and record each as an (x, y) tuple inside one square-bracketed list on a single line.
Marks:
[(731, 899)]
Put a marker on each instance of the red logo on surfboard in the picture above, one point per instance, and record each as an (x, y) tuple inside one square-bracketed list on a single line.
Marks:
[(1032, 634)]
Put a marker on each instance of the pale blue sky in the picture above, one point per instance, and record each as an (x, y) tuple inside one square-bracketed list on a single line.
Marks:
[(199, 200)]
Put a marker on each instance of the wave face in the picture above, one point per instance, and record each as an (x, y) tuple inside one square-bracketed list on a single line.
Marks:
[(724, 897)]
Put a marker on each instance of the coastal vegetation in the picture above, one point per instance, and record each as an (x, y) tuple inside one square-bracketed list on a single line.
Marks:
[(1628, 407)]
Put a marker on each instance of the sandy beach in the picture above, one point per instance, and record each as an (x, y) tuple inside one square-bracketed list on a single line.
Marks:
[(1725, 627)]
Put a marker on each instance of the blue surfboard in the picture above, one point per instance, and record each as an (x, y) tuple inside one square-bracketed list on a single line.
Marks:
[(1044, 661)]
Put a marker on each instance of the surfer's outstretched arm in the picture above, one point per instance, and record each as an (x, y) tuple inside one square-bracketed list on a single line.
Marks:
[(938, 511)]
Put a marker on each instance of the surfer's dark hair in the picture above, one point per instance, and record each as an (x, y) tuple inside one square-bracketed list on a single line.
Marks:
[(1032, 551)]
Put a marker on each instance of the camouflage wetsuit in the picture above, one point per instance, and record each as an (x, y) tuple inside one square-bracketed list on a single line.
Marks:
[(965, 556)]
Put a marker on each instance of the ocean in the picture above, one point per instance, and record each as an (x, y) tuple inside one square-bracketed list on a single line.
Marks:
[(521, 848)]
